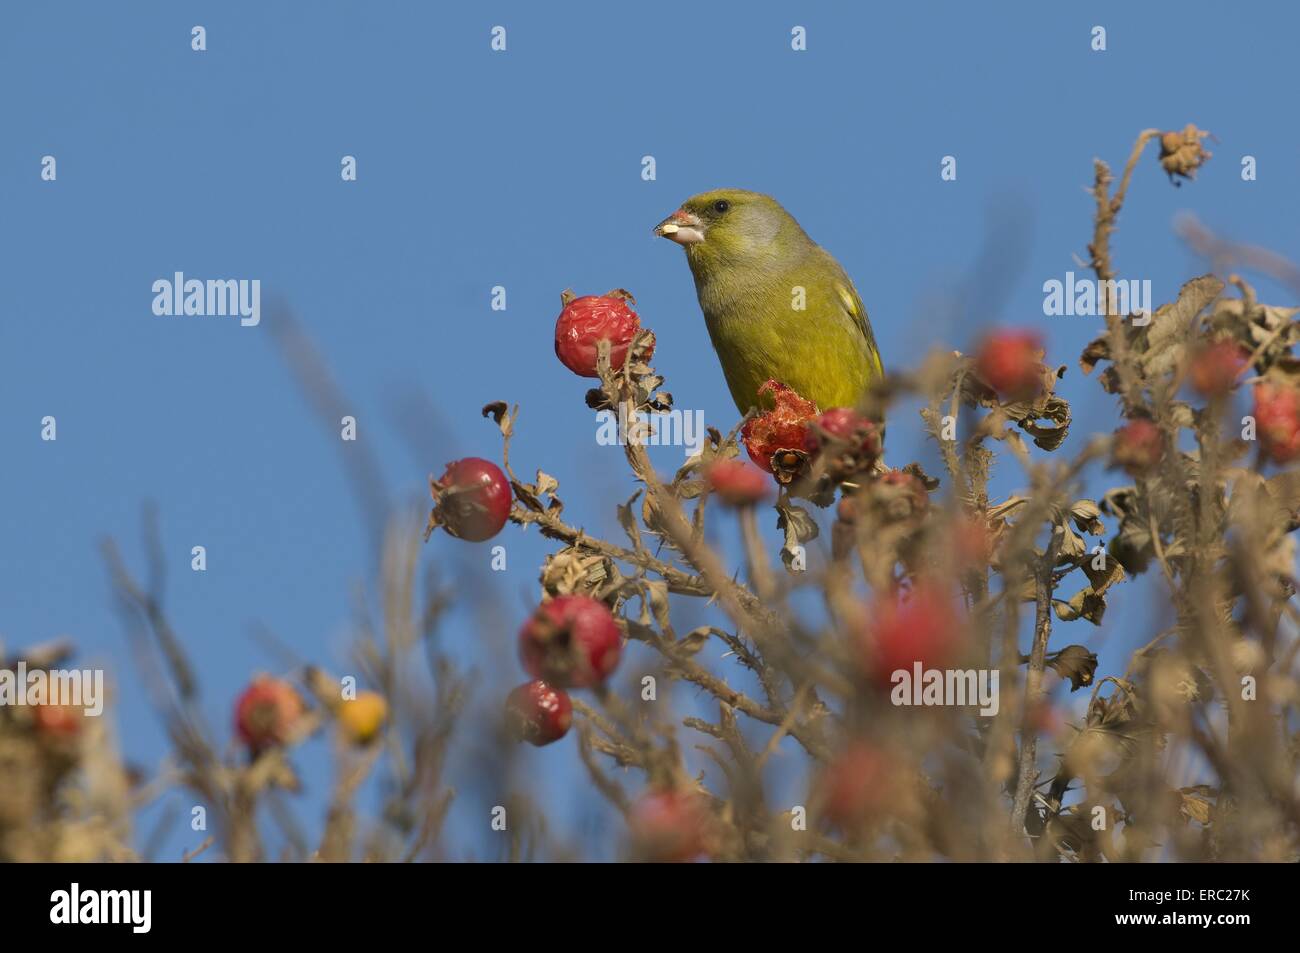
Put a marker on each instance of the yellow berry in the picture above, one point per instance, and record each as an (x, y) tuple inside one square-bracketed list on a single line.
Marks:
[(362, 717)]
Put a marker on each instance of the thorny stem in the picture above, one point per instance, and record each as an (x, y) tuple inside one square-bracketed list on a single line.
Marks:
[(1034, 679), (552, 525), (760, 569), (1108, 208)]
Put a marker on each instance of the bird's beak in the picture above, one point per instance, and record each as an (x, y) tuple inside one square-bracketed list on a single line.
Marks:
[(682, 227)]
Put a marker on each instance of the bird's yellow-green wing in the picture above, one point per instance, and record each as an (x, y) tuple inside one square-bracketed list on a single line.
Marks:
[(856, 312)]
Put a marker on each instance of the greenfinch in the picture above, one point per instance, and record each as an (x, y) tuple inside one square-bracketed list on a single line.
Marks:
[(776, 304)]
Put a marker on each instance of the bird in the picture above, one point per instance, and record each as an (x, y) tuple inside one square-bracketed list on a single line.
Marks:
[(776, 304)]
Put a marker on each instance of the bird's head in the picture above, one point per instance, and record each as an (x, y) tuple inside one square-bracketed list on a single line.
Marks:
[(732, 227)]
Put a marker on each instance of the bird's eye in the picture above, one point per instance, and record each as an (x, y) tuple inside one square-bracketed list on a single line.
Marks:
[(721, 205)]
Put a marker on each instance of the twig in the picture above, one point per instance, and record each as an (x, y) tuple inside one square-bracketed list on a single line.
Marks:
[(1033, 680), (191, 854)]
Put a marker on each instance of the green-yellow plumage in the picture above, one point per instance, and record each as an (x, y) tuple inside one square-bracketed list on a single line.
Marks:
[(750, 260)]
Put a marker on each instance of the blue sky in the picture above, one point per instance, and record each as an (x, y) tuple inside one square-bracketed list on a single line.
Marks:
[(522, 169)]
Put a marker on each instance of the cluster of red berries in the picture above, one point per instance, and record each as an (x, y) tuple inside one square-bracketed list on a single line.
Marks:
[(569, 642), (923, 626), (572, 641), (1010, 363), (472, 498)]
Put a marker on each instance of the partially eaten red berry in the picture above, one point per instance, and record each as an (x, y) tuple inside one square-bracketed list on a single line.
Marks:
[(777, 439)]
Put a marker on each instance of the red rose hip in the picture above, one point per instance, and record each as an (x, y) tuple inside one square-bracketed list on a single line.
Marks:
[(539, 713), (267, 713), (1139, 447), (1277, 417), (58, 721), (783, 428), (585, 322), (855, 785), (738, 484), (847, 425), (1010, 362), (972, 543), (472, 499), (669, 827), (1215, 368), (901, 495), (922, 627), (853, 439), (571, 642)]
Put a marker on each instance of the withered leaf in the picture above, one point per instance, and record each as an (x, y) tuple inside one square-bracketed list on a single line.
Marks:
[(1182, 152), (546, 484), (656, 593), (1072, 544), (1284, 492), (690, 489), (1170, 330), (572, 571), (799, 527), (1006, 507), (1197, 804), (1084, 604), (1102, 578), (505, 418), (1075, 663), (694, 640), (1158, 346), (597, 399), (1098, 350), (930, 483), (1046, 417), (627, 519), (526, 495), (1085, 514)]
